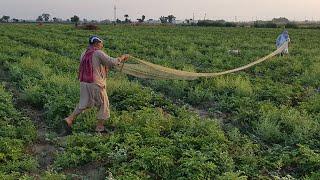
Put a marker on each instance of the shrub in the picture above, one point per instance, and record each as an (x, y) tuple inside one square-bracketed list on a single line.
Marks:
[(268, 24), (218, 23), (286, 125), (309, 159), (291, 25)]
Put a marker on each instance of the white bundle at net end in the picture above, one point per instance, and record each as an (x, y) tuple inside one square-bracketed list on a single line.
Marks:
[(146, 70)]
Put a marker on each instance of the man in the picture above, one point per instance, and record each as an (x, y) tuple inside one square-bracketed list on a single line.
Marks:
[(283, 38), (94, 67)]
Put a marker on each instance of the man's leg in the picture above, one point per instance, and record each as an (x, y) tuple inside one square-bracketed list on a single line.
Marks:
[(70, 119), (104, 112), (102, 116)]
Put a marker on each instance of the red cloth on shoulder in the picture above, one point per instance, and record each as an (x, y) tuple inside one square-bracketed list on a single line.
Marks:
[(86, 67)]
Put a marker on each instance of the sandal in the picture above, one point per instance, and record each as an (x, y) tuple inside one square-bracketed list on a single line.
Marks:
[(101, 130), (66, 129)]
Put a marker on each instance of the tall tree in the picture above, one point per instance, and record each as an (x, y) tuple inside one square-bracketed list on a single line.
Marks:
[(163, 19), (127, 20), (75, 19), (171, 18), (142, 19), (5, 18), (46, 16), (55, 19), (39, 19)]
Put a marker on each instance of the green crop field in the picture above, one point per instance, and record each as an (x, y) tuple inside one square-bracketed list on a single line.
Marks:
[(261, 123)]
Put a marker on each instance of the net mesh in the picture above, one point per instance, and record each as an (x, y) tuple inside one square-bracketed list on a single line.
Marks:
[(146, 70)]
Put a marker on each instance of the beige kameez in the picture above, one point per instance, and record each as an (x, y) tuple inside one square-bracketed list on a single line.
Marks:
[(95, 94)]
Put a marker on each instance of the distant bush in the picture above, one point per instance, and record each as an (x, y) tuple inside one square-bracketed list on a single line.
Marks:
[(218, 23), (267, 24), (291, 25), (88, 27), (230, 24)]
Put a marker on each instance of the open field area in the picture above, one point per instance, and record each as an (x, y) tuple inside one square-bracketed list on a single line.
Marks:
[(261, 123)]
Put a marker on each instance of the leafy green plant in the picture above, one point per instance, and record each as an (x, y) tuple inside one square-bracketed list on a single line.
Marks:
[(266, 110)]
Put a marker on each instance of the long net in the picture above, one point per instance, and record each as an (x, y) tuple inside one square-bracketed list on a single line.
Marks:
[(146, 70)]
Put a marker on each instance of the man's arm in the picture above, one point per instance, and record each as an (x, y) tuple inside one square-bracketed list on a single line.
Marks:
[(107, 60), (110, 61)]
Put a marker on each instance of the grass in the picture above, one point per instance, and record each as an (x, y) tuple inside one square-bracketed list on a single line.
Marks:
[(270, 112)]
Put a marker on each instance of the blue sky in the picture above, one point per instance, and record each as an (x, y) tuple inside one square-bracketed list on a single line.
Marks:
[(182, 9)]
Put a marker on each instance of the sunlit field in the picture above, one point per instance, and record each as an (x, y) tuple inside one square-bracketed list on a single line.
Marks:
[(261, 123)]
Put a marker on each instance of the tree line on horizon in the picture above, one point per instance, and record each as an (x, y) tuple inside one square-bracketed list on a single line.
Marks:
[(45, 17), (170, 19)]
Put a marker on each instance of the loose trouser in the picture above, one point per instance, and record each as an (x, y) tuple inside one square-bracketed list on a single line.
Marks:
[(92, 95)]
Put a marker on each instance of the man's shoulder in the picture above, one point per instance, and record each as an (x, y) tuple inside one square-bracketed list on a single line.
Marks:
[(100, 51)]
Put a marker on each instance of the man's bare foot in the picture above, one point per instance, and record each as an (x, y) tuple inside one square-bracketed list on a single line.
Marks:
[(100, 129), (69, 121)]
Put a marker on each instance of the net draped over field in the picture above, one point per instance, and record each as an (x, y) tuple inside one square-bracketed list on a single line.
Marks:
[(146, 70)]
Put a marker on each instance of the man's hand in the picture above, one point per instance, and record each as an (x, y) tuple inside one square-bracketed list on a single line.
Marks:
[(124, 58)]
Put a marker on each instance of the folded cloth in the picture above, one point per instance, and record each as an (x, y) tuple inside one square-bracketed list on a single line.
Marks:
[(86, 68)]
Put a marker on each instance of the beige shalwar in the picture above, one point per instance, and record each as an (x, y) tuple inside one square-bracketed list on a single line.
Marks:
[(94, 94)]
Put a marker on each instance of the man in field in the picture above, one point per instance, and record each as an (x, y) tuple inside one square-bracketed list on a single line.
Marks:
[(283, 38), (94, 67)]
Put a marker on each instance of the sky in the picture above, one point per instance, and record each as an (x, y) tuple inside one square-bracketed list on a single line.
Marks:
[(239, 10)]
